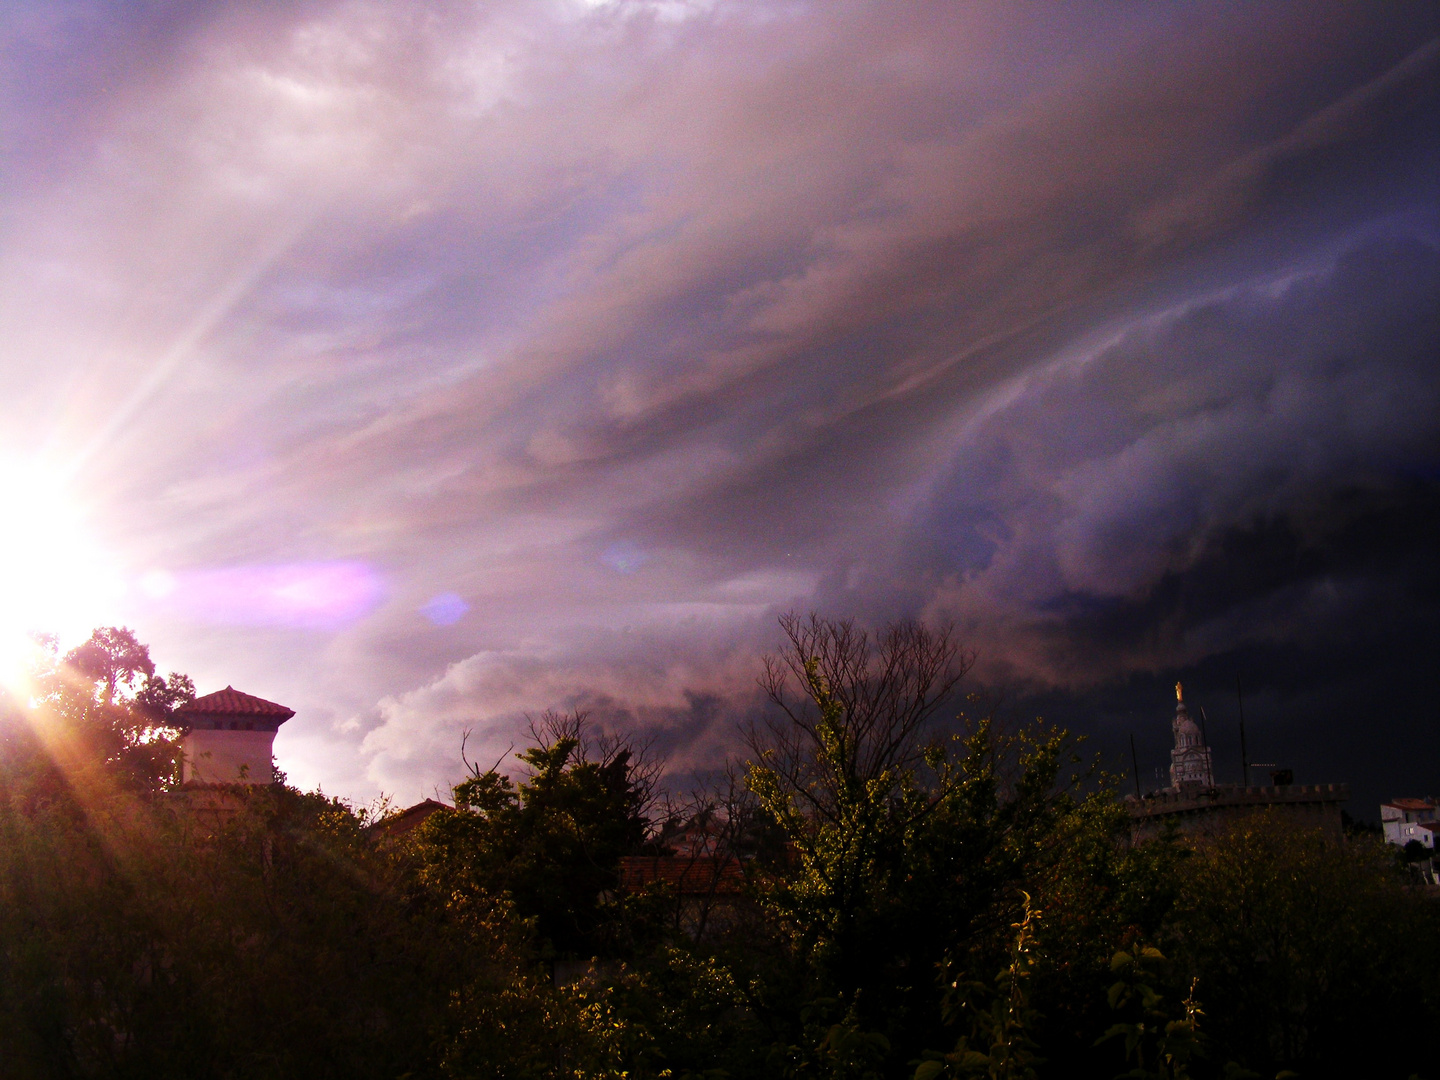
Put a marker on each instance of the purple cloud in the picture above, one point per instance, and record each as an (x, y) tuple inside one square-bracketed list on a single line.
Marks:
[(610, 330)]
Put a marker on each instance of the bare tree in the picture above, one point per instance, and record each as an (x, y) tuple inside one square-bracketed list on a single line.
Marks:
[(852, 707), (644, 765), (707, 840)]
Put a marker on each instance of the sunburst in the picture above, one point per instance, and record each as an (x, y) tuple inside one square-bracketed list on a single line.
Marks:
[(53, 577)]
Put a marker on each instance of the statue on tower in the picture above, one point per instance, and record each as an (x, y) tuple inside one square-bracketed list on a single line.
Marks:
[(1190, 767)]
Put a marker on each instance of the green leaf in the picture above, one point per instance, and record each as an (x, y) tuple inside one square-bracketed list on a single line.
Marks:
[(1112, 1032)]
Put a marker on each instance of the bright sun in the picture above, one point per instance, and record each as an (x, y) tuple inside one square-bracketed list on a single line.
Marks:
[(53, 578)]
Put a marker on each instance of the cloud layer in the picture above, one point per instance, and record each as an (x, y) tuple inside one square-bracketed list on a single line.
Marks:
[(588, 336)]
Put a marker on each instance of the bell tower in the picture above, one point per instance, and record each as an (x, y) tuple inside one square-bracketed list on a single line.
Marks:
[(1190, 760)]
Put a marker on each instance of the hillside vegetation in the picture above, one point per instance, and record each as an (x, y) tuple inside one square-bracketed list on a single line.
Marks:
[(918, 900)]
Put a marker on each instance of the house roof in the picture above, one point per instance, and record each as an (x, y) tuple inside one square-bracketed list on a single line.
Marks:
[(1412, 804), (231, 702), (700, 876), (412, 817)]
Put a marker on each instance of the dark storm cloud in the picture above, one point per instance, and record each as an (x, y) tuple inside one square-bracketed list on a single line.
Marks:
[(1217, 476), (619, 327)]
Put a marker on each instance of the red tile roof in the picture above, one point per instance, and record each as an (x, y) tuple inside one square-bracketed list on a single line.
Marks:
[(700, 876), (231, 702)]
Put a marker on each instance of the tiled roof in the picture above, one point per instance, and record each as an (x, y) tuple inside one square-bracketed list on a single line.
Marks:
[(1412, 804), (231, 702), (700, 876), (412, 817)]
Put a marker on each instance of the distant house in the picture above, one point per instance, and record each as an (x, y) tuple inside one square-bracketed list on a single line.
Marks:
[(1405, 820), (227, 750), (697, 838), (696, 875), (707, 890)]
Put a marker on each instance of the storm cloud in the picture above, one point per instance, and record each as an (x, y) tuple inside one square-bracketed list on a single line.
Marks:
[(586, 337)]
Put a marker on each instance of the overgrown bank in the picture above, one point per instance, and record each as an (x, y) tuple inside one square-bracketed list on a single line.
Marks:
[(912, 905)]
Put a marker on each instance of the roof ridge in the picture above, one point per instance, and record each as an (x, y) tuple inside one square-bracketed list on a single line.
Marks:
[(231, 702)]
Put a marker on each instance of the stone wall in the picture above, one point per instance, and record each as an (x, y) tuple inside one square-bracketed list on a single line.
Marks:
[(1210, 810)]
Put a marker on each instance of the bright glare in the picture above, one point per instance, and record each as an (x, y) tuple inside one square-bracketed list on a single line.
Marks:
[(53, 579)]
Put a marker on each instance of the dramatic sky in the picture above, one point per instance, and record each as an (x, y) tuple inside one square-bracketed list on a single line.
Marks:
[(425, 365)]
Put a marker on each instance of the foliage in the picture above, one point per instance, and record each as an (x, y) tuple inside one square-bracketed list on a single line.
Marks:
[(1161, 1041), (150, 930), (1299, 942), (907, 849), (102, 706), (1100, 895), (1001, 1043), (150, 940), (551, 844)]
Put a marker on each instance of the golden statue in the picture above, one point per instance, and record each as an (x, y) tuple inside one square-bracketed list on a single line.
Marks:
[(1179, 696)]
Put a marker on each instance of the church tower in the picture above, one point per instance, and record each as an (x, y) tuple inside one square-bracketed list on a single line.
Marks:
[(1190, 767)]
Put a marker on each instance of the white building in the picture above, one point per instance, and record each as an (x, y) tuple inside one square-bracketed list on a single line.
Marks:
[(1190, 766), (229, 738), (1410, 819)]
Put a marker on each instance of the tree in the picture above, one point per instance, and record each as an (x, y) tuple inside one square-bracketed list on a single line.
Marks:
[(112, 709), (110, 659), (837, 766), (552, 843), (1306, 947), (908, 847), (99, 713), (1000, 1043)]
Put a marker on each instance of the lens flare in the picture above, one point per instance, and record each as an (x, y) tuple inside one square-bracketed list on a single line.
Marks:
[(314, 595)]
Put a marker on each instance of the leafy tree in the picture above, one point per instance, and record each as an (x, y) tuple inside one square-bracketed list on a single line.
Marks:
[(1100, 894), (103, 707), (143, 934), (907, 848), (111, 659), (551, 844), (1302, 944), (1000, 1043)]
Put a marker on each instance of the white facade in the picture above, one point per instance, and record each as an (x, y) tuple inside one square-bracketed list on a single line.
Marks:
[(228, 757), (1410, 819)]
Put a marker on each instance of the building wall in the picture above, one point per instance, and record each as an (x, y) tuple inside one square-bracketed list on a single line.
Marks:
[(1401, 833), (1198, 814), (1410, 814), (228, 757)]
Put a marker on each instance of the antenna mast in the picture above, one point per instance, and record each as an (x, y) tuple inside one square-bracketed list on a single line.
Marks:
[(1244, 756), (1134, 765)]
